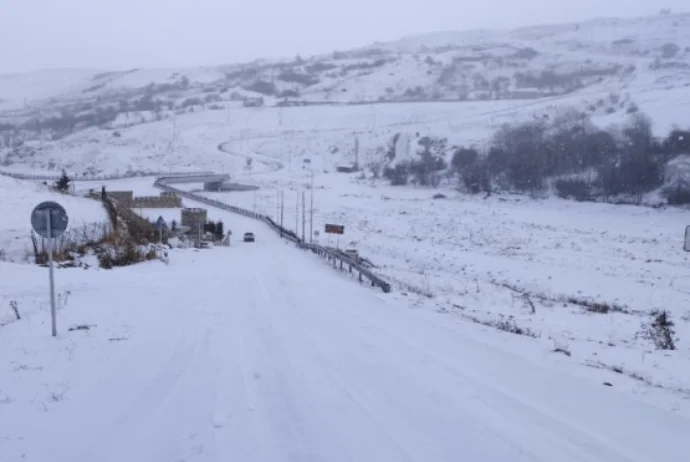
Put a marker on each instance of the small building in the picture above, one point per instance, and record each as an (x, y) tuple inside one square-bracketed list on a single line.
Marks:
[(194, 219), (253, 101)]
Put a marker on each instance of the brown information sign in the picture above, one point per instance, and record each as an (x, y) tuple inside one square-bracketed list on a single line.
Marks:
[(335, 229)]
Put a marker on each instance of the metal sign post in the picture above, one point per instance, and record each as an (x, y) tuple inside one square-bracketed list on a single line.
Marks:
[(50, 220), (304, 218), (51, 274), (311, 208), (335, 229)]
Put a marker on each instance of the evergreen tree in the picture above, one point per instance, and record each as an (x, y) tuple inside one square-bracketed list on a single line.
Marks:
[(210, 227), (63, 184)]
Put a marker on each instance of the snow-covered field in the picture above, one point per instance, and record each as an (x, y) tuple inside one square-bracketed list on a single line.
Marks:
[(18, 200), (476, 258)]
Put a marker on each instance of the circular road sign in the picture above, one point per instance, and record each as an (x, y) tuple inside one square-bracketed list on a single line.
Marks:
[(58, 219)]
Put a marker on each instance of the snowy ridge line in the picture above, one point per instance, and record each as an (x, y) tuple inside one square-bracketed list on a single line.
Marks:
[(123, 176), (324, 252)]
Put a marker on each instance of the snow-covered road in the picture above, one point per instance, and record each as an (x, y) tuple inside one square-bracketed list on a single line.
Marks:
[(258, 352)]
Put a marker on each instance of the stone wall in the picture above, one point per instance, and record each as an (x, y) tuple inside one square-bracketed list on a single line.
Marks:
[(124, 198), (157, 202), (166, 200)]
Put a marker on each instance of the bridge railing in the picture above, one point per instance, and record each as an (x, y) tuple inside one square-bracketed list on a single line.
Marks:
[(332, 256)]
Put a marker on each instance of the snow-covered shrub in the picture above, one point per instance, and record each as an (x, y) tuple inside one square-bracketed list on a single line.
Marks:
[(677, 181), (574, 188), (660, 331), (124, 252)]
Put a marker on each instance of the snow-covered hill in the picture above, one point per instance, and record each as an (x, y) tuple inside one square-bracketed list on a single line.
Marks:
[(324, 134), (604, 67), (474, 65)]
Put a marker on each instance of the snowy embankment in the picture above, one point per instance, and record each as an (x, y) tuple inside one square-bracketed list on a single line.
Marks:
[(87, 217)]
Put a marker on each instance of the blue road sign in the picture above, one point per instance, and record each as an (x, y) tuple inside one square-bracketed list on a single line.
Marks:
[(58, 219)]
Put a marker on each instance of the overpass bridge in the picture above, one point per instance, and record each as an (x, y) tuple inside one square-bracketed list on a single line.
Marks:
[(211, 181)]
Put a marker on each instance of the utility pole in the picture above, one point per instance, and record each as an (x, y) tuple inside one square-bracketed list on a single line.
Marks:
[(277, 205), (297, 214), (356, 152), (311, 209), (304, 217), (282, 210)]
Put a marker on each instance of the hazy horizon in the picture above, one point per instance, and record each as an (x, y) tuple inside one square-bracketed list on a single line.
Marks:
[(126, 34)]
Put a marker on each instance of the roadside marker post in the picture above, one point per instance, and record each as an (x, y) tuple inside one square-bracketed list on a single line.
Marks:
[(49, 220)]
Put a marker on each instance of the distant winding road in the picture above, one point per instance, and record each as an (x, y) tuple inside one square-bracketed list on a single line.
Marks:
[(272, 165)]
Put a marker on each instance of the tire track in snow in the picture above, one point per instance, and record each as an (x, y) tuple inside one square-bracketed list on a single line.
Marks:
[(578, 442), (322, 363), (372, 402), (504, 401), (141, 425), (245, 422)]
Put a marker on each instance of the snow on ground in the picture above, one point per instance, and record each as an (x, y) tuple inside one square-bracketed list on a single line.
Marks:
[(459, 262), (646, 33), (261, 352), (475, 258), (19, 199), (138, 78), (18, 90), (270, 355), (324, 132)]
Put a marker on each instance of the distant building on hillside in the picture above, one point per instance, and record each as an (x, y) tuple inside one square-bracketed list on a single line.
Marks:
[(253, 101)]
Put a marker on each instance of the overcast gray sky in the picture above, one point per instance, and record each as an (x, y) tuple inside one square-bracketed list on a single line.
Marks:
[(115, 34)]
